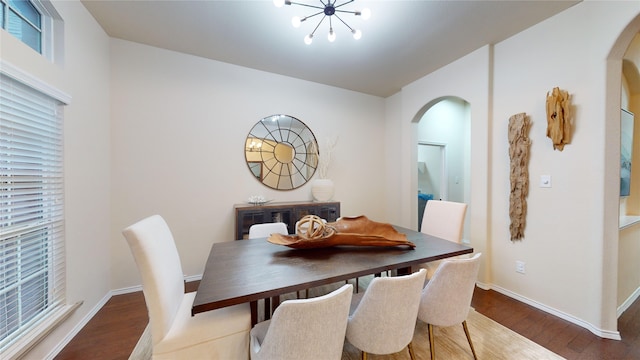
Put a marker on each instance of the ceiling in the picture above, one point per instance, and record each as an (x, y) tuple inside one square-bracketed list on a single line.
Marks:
[(403, 40)]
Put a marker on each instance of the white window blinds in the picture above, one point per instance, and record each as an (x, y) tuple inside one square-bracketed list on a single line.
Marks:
[(32, 267)]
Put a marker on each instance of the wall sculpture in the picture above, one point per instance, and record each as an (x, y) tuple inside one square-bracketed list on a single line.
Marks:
[(519, 145), (559, 118)]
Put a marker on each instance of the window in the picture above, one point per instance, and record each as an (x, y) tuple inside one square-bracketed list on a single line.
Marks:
[(32, 270), (24, 21)]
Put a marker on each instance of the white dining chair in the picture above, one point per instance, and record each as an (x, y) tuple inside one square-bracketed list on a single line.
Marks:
[(304, 329), (266, 229), (446, 300), (385, 319), (443, 219), (175, 334)]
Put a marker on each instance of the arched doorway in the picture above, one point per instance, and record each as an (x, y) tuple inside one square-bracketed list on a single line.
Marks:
[(443, 150), (611, 265)]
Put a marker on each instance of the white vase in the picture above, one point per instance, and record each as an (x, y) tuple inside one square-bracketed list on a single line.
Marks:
[(322, 189)]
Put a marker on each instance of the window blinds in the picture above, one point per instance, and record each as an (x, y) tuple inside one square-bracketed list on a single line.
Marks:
[(32, 254)]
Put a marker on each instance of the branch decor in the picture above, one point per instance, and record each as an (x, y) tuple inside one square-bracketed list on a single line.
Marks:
[(519, 145), (559, 118), (324, 161)]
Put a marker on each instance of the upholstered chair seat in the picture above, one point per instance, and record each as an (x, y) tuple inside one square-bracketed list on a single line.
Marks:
[(446, 299), (384, 320), (443, 219), (304, 329), (175, 334)]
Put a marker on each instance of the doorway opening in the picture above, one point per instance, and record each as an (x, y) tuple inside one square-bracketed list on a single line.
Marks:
[(432, 175), (443, 153)]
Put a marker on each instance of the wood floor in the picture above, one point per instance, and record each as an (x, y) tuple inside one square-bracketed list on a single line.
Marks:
[(114, 331)]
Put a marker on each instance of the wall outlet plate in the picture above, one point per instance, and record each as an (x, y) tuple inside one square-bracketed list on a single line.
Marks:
[(545, 181)]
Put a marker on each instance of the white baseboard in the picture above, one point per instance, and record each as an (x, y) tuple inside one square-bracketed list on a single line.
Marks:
[(607, 334), (126, 290), (627, 303), (136, 288), (483, 286), (193, 278)]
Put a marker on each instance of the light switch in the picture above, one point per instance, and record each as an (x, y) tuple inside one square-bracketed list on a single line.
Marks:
[(545, 181)]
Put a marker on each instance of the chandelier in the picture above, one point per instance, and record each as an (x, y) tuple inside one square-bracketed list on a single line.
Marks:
[(328, 9)]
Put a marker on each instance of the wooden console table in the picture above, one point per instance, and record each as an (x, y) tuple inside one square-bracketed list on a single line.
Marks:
[(286, 212)]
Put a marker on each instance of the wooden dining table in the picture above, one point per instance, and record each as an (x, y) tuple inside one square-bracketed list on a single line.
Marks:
[(244, 271)]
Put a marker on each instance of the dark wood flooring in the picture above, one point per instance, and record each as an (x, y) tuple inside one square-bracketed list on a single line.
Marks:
[(114, 331)]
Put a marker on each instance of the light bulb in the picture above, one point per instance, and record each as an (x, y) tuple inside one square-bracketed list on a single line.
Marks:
[(278, 3), (366, 13), (357, 34), (308, 39), (332, 35), (295, 21)]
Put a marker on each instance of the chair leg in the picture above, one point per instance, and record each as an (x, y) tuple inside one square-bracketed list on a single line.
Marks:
[(364, 355), (466, 332), (412, 356), (431, 342)]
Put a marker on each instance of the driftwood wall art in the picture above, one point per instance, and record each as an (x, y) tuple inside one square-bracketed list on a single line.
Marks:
[(519, 145), (559, 118)]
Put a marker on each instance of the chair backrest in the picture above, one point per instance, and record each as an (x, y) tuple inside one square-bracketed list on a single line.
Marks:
[(385, 319), (308, 328), (156, 256), (447, 297), (265, 230), (444, 219)]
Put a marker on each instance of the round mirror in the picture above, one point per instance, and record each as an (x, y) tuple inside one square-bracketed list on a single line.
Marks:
[(281, 152)]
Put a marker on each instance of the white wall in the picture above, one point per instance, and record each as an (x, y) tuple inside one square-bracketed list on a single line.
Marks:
[(179, 125), (84, 76), (567, 256), (468, 79), (564, 248)]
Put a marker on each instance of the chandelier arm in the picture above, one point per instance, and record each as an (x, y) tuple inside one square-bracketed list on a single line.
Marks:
[(357, 13), (319, 22), (310, 16), (307, 5), (343, 4), (345, 24)]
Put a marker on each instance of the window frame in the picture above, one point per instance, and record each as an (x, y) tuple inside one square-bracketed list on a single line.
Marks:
[(51, 28), (40, 325)]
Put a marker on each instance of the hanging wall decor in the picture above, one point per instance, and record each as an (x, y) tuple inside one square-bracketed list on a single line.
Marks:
[(559, 118), (519, 145)]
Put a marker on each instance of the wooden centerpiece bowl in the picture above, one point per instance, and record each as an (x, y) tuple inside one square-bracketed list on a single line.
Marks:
[(312, 232)]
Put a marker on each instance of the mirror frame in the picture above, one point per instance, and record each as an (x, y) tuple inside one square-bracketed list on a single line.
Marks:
[(275, 139)]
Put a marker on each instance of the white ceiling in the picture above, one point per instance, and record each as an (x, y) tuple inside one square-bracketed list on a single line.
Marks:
[(403, 40)]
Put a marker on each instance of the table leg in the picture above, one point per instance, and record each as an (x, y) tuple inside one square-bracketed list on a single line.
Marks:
[(275, 301), (267, 309), (254, 312), (404, 271)]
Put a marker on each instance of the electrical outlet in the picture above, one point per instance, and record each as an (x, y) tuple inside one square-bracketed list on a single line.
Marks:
[(545, 181), (520, 267)]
